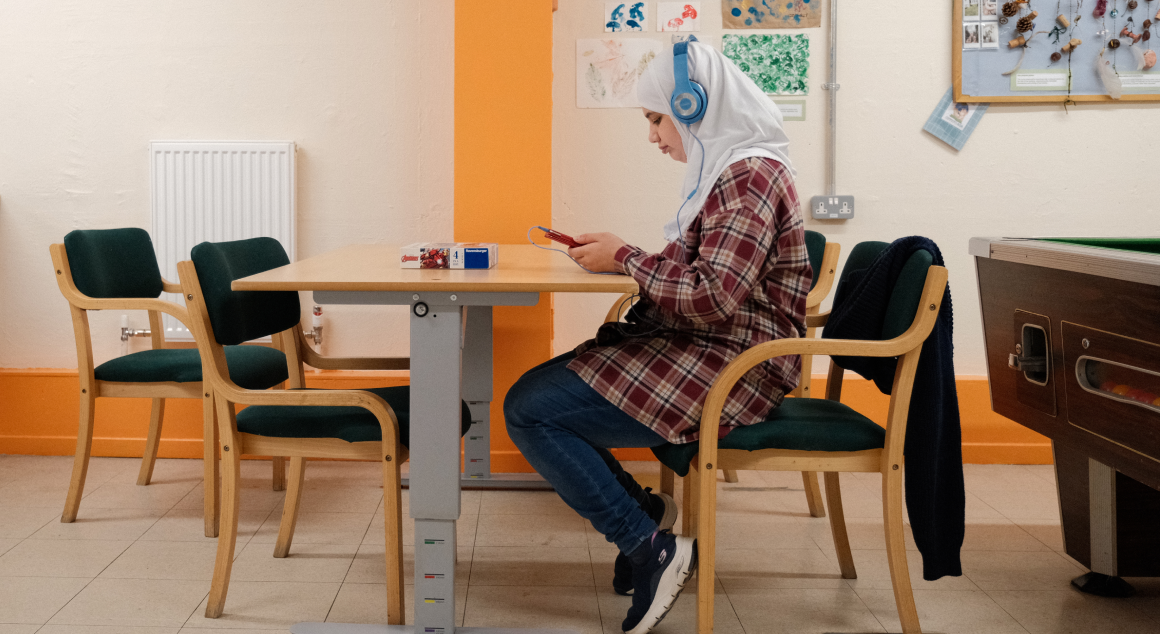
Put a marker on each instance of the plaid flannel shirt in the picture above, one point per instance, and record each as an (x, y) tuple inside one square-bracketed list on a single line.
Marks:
[(741, 279)]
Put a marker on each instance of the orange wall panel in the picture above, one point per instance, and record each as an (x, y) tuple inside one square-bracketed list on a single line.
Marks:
[(503, 169)]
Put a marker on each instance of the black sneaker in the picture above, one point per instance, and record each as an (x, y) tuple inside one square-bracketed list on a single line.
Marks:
[(663, 510), (659, 581)]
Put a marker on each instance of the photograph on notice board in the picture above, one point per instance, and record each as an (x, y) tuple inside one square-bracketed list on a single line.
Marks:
[(679, 16), (624, 17), (989, 10), (771, 14), (989, 35), (971, 36), (971, 10)]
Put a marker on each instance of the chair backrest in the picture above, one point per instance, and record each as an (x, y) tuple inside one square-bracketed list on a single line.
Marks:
[(904, 298), (241, 316), (815, 249), (113, 263)]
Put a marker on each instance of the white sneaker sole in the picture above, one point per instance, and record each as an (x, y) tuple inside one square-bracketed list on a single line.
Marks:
[(672, 582), (670, 516)]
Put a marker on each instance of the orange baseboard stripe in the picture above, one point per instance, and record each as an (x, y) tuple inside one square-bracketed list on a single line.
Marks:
[(40, 411)]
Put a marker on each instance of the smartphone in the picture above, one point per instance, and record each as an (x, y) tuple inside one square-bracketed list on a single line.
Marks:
[(562, 238)]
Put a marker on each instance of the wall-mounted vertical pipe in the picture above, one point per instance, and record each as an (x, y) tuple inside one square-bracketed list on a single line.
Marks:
[(832, 86)]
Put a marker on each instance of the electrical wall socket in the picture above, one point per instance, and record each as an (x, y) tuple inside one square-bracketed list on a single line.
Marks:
[(832, 207)]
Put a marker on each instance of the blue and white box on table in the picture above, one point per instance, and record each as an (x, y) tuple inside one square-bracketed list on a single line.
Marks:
[(449, 255)]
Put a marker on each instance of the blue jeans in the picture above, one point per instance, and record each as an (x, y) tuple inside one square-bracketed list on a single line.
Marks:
[(565, 429)]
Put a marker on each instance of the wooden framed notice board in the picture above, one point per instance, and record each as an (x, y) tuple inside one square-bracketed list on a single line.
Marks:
[(989, 64)]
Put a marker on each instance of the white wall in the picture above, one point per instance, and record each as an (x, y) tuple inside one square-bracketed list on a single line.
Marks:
[(364, 87), (1027, 170)]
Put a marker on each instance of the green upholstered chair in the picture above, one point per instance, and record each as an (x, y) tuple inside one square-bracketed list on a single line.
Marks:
[(824, 261), (299, 423), (116, 269), (819, 434)]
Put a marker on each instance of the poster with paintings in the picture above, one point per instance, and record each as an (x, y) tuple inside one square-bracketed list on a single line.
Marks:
[(624, 17), (771, 14), (679, 16), (779, 64), (607, 70)]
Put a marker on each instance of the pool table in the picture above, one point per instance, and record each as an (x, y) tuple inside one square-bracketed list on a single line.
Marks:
[(1072, 333)]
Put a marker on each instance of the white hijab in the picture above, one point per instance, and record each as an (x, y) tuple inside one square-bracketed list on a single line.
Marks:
[(740, 122)]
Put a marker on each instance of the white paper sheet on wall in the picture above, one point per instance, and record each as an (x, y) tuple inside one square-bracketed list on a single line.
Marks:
[(678, 16), (607, 71)]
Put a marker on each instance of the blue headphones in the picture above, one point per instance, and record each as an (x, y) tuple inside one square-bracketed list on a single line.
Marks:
[(689, 99)]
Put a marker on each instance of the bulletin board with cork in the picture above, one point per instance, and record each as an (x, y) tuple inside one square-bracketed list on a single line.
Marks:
[(1056, 51)]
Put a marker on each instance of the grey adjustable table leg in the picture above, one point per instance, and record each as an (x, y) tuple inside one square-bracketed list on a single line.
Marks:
[(437, 341), (477, 391)]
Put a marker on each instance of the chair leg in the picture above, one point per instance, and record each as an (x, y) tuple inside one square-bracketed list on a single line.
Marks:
[(290, 507), (706, 510), (76, 487), (393, 533), (896, 551), (152, 441), (730, 476), (667, 480), (211, 471), (279, 476), (838, 526), (689, 503), (228, 532), (813, 494)]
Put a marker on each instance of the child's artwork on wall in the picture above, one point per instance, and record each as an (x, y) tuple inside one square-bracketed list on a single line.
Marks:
[(771, 14), (678, 16), (623, 17), (607, 71), (779, 64)]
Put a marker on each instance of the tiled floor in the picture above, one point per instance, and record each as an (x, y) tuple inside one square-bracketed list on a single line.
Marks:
[(136, 561)]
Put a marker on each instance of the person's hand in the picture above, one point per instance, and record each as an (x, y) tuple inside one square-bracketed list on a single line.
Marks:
[(597, 252)]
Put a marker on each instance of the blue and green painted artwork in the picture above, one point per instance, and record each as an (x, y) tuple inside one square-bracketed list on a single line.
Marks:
[(624, 16), (771, 14), (778, 64)]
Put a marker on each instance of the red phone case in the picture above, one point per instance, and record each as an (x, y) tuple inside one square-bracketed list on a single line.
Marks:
[(561, 238)]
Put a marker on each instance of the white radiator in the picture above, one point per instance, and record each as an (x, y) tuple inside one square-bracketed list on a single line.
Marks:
[(217, 191)]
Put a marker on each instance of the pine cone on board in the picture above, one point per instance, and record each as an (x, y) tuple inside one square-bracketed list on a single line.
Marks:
[(1026, 23), (1010, 9)]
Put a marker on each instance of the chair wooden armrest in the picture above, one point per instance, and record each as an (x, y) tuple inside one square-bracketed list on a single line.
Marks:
[(330, 398), (614, 312), (315, 360), (817, 321), (75, 297), (914, 336), (170, 287)]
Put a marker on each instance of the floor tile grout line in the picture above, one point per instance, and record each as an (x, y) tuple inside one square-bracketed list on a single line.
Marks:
[(1005, 610)]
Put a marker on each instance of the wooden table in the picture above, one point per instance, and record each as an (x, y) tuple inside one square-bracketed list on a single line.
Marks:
[(451, 350), (1072, 331)]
